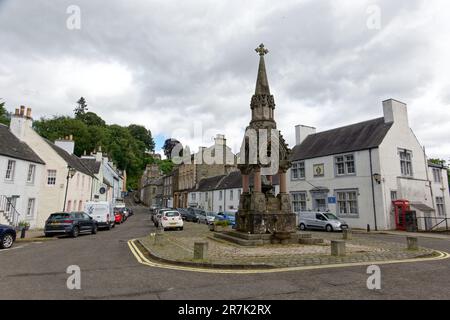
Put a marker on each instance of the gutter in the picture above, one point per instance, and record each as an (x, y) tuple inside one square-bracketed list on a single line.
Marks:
[(373, 191)]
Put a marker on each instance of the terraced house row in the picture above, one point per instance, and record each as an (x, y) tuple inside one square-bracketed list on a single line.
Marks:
[(39, 177)]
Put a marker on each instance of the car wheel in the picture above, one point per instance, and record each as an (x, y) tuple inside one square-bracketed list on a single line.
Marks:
[(302, 226), (94, 229), (109, 226), (181, 229), (113, 225), (7, 241), (48, 235), (75, 232), (329, 228)]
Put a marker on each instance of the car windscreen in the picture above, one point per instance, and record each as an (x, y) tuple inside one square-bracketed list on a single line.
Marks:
[(171, 214), (331, 216), (230, 213), (56, 216)]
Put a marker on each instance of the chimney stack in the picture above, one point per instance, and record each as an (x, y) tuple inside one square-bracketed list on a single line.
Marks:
[(22, 111), (302, 132), (28, 113), (17, 113)]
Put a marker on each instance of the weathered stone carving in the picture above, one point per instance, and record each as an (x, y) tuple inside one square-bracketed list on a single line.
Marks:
[(260, 212)]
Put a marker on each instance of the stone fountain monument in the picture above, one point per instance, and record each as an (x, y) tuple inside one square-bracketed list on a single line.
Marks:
[(263, 217)]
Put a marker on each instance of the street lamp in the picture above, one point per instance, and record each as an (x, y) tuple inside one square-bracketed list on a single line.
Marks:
[(377, 177), (70, 173)]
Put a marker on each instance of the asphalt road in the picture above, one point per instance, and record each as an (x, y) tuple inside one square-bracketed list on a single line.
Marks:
[(110, 271)]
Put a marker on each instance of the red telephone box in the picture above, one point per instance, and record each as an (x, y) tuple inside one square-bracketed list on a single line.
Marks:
[(401, 207)]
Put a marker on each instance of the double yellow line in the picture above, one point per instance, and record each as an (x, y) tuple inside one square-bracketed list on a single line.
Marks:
[(143, 260)]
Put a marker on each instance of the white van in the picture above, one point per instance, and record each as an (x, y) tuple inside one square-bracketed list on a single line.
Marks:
[(102, 212), (321, 220)]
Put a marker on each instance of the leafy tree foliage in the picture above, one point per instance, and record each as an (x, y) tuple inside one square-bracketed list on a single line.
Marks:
[(4, 115), (81, 107), (127, 146)]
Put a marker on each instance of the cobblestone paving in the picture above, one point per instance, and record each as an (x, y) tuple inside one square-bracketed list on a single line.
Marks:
[(179, 246)]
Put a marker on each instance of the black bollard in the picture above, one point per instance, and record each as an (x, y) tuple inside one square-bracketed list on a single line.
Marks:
[(22, 233), (368, 228)]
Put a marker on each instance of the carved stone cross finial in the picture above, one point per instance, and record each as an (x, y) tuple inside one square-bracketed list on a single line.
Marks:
[(261, 50)]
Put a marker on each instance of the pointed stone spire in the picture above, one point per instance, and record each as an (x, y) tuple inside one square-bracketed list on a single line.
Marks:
[(262, 84)]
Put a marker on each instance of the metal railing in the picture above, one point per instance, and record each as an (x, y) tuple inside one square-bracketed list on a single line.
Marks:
[(433, 223), (8, 210)]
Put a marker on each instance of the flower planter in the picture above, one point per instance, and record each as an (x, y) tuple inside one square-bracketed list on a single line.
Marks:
[(222, 228)]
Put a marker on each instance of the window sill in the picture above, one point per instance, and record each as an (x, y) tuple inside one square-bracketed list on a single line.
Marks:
[(348, 216), (345, 175)]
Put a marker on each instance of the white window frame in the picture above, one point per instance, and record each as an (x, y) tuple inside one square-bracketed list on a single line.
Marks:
[(299, 201), (31, 173), (53, 177), (392, 195), (437, 177), (440, 206), (343, 198), (406, 167), (298, 170), (10, 170), (345, 162)]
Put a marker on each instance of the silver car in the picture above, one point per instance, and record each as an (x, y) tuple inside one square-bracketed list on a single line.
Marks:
[(322, 221)]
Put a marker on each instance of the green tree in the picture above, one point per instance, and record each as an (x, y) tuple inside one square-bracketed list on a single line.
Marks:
[(4, 115), (81, 107), (92, 119), (61, 126), (142, 134)]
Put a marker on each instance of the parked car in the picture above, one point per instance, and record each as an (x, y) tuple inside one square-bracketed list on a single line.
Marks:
[(321, 220), (102, 212), (199, 214), (210, 217), (71, 223), (118, 218), (171, 220), (7, 236), (157, 218), (187, 215), (122, 211), (229, 216)]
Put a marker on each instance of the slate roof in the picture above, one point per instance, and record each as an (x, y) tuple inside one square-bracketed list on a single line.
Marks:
[(234, 180), (208, 184), (11, 146), (72, 160), (359, 136), (92, 164)]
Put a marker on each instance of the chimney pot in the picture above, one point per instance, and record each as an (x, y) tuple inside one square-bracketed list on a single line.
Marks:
[(28, 112), (22, 110), (17, 112)]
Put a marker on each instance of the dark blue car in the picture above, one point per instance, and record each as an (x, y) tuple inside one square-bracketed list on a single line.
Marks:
[(7, 236), (229, 216)]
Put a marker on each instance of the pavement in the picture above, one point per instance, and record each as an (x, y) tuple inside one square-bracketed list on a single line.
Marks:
[(177, 247), (109, 270)]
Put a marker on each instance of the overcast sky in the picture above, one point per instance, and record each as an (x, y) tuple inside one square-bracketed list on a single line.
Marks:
[(191, 65)]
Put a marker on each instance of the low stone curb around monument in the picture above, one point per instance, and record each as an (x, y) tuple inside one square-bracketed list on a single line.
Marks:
[(246, 269)]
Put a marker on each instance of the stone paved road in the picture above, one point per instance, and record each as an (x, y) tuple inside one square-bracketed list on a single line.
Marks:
[(109, 270)]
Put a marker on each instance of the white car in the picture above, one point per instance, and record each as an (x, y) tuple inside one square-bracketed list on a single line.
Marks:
[(171, 220), (102, 212)]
